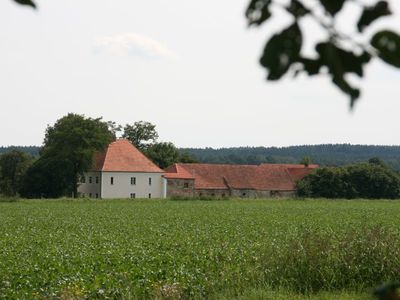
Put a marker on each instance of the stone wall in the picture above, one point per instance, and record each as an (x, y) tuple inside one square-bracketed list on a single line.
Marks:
[(261, 194), (185, 188), (180, 188)]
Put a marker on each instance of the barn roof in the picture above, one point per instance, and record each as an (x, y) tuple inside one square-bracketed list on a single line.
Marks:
[(122, 156), (279, 177)]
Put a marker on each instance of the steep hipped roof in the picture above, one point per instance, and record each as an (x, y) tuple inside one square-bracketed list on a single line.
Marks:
[(278, 177), (122, 156)]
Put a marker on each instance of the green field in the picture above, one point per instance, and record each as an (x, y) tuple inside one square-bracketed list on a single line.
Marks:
[(246, 249)]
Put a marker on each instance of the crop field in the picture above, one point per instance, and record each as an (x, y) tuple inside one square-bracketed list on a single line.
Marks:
[(158, 249)]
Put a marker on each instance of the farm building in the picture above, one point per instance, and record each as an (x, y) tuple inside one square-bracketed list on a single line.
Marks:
[(122, 171), (246, 181)]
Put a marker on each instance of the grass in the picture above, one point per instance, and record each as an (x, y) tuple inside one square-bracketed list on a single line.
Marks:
[(243, 249)]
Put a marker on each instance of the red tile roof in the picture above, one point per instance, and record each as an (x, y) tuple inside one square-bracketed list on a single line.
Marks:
[(177, 172), (122, 156), (277, 177)]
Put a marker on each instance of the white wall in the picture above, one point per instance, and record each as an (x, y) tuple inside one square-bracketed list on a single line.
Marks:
[(91, 189), (122, 187)]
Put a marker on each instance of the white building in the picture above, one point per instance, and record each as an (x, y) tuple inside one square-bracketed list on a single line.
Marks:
[(122, 171)]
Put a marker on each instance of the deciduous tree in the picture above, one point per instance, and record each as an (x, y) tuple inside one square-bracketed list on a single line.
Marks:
[(142, 134), (72, 142), (337, 55), (13, 166)]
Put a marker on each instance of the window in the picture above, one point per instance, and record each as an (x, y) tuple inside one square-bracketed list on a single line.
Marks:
[(90, 179), (97, 195), (112, 180), (150, 196), (133, 195), (97, 179), (83, 179), (90, 195), (186, 185), (150, 181), (133, 180), (243, 194)]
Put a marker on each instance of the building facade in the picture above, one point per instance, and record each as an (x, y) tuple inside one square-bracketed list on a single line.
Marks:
[(238, 181), (122, 171)]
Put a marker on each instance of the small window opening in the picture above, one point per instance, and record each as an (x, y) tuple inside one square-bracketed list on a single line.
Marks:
[(133, 180), (186, 185), (97, 179), (90, 179), (150, 196), (133, 195), (150, 181), (112, 180)]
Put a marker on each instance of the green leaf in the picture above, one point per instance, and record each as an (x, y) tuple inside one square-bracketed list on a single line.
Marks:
[(311, 66), (26, 2), (332, 6), (281, 51), (340, 62), (297, 9), (388, 44), (372, 13), (341, 83), (258, 12)]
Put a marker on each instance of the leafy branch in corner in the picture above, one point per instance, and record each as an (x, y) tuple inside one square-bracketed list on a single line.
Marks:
[(282, 53)]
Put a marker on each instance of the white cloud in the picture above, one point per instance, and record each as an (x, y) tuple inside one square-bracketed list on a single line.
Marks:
[(133, 44)]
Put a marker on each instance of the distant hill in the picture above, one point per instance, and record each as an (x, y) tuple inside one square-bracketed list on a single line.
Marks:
[(32, 150), (325, 155)]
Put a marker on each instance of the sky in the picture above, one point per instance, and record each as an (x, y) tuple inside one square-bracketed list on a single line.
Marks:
[(190, 67)]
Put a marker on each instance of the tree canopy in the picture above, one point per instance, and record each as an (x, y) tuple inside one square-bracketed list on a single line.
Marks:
[(141, 134), (68, 149), (337, 55), (362, 180), (165, 154), (13, 166)]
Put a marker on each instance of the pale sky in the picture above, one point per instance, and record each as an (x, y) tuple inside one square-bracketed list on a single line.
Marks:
[(190, 67)]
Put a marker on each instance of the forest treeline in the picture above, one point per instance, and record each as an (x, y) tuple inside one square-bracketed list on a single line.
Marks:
[(324, 155), (31, 150)]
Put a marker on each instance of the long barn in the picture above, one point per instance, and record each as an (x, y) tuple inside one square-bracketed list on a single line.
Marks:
[(122, 171)]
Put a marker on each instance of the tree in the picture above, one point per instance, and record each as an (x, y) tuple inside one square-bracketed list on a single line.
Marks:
[(377, 161), (13, 166), (306, 161), (163, 154), (48, 177), (142, 134), (72, 142), (166, 154), (363, 180), (339, 54)]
